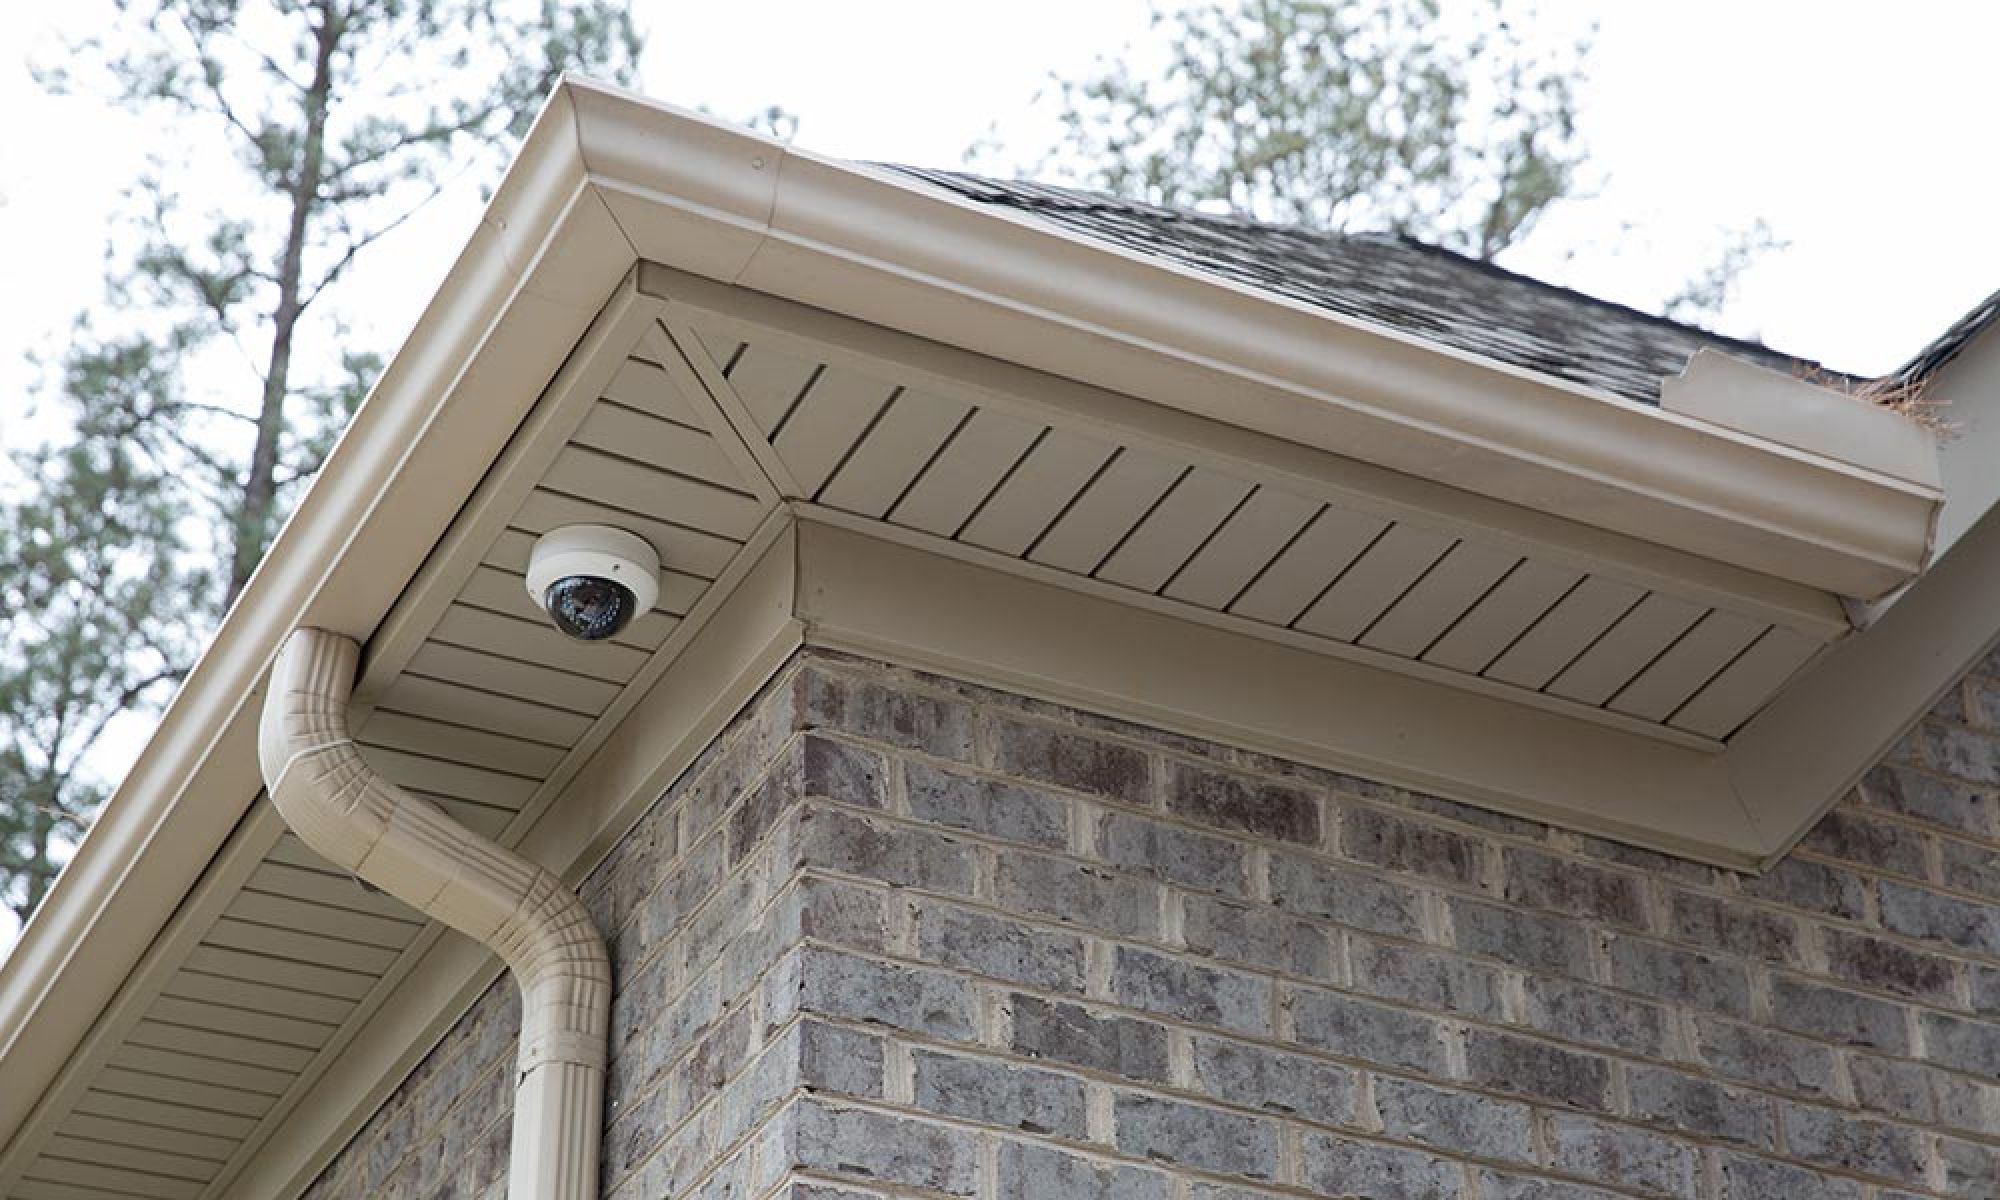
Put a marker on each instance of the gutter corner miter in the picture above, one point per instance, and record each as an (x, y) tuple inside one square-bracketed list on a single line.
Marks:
[(354, 817)]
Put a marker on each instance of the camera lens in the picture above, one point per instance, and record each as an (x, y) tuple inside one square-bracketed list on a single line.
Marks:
[(588, 608)]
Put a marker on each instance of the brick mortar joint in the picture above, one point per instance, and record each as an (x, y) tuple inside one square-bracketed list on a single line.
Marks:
[(1109, 942)]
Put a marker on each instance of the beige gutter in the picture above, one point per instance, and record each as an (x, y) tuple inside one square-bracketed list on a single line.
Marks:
[(356, 819)]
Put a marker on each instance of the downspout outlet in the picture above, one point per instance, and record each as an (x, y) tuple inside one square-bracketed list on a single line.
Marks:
[(410, 849)]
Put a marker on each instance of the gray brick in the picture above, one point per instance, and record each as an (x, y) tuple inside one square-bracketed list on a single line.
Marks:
[(1495, 1186), (1849, 1143), (1652, 862), (666, 908), (1533, 941), (989, 806), (1856, 837), (999, 948), (1701, 1106), (839, 771), (1320, 889), (1027, 1169), (1895, 1088), (1221, 1191), (1288, 1084), (1072, 759), (722, 1052), (1425, 978), (1069, 1033), (1929, 798), (1887, 966), (1986, 990), (1336, 1166), (831, 1058), (878, 850), (819, 1191), (1506, 1063), (1456, 1121), (1143, 846), (1969, 1167), (1184, 988), (1681, 976), (992, 1094), (1839, 1016), (1813, 886), (1241, 804), (1969, 1046), (1204, 1138), (884, 1148), (1371, 836), (1621, 1155), (1451, 810), (1733, 927), (1746, 1178), (834, 911), (1579, 1012), (839, 985), (1961, 753), (1533, 879), (1079, 894), (1934, 916), (913, 720), (1967, 1104), (1971, 866), (1351, 1028), (1256, 936), (1751, 1054), (1979, 701)]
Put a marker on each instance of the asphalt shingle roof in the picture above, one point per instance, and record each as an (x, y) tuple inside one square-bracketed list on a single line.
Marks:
[(1398, 282)]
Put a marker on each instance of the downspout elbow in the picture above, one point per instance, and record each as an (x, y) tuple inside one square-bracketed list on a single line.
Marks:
[(411, 849)]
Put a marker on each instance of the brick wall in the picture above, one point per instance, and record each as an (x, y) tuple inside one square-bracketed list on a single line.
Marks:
[(897, 936)]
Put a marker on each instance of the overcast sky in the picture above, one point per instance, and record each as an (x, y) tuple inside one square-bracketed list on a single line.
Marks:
[(1862, 139)]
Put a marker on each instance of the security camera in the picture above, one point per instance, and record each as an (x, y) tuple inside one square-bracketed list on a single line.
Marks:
[(593, 579)]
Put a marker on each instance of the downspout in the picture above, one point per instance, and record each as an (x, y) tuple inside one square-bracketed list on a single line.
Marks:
[(357, 819)]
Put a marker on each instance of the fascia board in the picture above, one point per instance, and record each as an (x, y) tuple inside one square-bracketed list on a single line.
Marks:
[(534, 273), (865, 595), (1813, 743), (694, 195)]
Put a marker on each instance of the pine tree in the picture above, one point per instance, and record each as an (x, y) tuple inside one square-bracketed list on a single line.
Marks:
[(206, 391), (1446, 124)]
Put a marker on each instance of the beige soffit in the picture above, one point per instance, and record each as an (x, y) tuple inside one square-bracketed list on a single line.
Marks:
[(737, 207), (605, 181)]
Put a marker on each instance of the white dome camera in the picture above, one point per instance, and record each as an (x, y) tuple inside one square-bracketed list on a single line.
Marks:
[(593, 579)]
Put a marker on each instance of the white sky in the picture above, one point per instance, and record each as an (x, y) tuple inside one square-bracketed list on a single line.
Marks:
[(1863, 139)]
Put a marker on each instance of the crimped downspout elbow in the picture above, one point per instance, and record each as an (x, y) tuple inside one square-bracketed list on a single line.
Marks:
[(359, 820)]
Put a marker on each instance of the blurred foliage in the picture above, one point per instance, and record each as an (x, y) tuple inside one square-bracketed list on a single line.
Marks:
[(210, 385), (1336, 114)]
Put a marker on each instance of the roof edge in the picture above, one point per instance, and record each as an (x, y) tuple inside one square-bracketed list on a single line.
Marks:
[(883, 247)]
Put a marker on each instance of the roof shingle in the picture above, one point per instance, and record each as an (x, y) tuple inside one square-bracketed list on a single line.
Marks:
[(1397, 282)]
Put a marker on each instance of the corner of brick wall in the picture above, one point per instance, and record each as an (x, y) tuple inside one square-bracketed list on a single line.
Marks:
[(898, 936)]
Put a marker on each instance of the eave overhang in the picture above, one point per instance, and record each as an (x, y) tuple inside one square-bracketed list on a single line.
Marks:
[(1835, 506), (623, 220)]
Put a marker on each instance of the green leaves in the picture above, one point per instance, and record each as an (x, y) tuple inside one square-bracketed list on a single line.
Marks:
[(1334, 114)]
